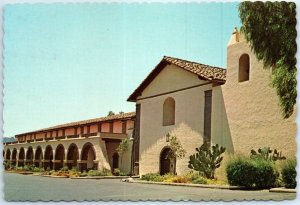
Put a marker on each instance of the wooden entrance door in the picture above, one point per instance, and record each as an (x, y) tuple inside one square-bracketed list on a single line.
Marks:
[(167, 161)]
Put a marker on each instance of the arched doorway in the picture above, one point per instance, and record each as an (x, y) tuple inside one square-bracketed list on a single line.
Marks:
[(115, 161), (59, 156), (7, 157), (72, 156), (21, 157), (88, 154), (38, 157), (29, 156), (14, 157), (48, 164), (167, 161)]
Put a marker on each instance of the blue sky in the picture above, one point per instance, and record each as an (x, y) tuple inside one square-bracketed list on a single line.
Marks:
[(69, 62)]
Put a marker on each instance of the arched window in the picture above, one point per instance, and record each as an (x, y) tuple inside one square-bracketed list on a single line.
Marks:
[(169, 112), (244, 68)]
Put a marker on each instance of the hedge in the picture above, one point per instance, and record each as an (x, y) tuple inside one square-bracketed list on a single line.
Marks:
[(251, 173), (289, 174)]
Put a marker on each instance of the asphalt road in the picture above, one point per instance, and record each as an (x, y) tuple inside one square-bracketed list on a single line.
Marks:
[(36, 188)]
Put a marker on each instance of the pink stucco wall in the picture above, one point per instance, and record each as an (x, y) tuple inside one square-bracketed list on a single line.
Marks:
[(69, 131), (105, 127), (94, 128)]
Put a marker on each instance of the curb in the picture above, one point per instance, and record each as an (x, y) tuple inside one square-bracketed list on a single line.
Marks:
[(54, 176), (105, 177), (191, 185), (25, 173), (283, 190), (86, 177)]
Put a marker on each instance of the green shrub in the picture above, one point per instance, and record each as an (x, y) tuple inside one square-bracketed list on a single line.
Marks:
[(83, 174), (19, 168), (7, 165), (37, 169), (93, 173), (240, 171), (251, 173), (124, 174), (104, 172), (265, 175), (117, 172), (199, 180), (177, 179), (289, 174), (28, 167), (64, 169), (207, 159), (153, 177)]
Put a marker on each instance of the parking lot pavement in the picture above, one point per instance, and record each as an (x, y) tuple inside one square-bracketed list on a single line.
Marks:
[(34, 188)]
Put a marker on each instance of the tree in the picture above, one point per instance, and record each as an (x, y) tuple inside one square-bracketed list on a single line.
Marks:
[(270, 28), (176, 146), (122, 148), (110, 113)]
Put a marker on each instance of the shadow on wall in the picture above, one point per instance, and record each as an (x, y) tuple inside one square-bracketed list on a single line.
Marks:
[(152, 146), (221, 125)]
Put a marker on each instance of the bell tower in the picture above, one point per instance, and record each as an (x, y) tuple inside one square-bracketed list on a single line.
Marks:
[(238, 59)]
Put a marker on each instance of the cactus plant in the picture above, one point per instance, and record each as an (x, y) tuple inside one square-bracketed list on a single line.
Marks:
[(207, 159), (267, 154)]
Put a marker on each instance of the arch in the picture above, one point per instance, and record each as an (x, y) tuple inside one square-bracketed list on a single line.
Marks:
[(14, 157), (244, 67), (38, 157), (167, 161), (59, 156), (169, 112), (88, 154), (115, 161), (72, 156), (21, 157), (7, 155), (48, 157), (29, 155)]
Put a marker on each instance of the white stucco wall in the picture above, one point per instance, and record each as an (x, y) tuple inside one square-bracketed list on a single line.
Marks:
[(189, 107), (246, 115)]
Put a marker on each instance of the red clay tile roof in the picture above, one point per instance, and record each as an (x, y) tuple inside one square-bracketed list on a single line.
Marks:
[(128, 115), (205, 72)]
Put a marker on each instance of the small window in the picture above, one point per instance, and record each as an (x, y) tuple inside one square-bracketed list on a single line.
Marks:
[(244, 68), (169, 112)]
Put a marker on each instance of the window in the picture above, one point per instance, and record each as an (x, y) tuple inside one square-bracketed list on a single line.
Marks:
[(169, 112), (244, 68)]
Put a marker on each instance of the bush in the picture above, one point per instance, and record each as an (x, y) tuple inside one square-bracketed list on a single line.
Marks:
[(265, 175), (28, 167), (240, 172), (153, 177), (64, 169), (117, 172), (37, 169), (195, 178), (104, 172), (83, 174), (199, 180), (289, 174), (251, 173)]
